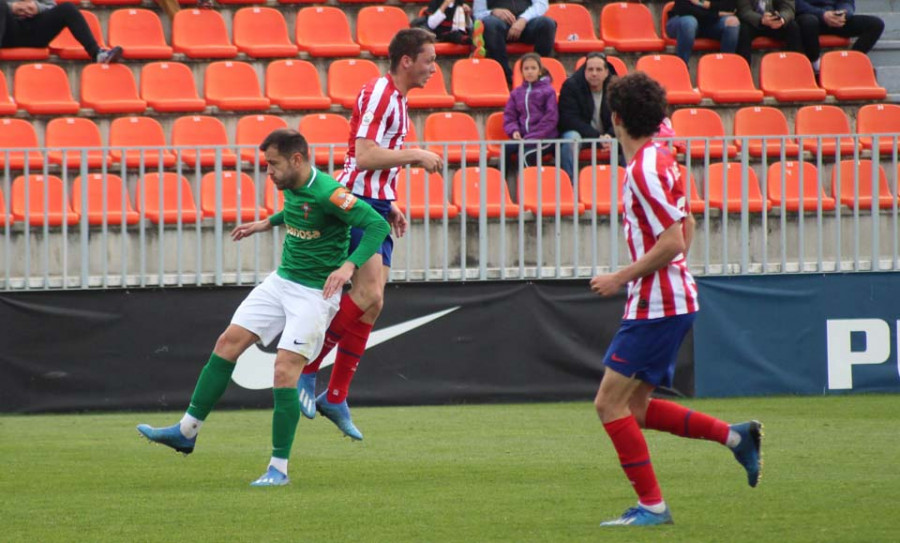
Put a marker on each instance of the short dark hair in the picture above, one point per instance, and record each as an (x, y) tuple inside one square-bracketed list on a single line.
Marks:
[(287, 141), (640, 102), (602, 56), (408, 43)]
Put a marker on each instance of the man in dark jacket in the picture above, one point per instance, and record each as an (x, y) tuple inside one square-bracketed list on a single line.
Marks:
[(839, 18), (514, 20), (583, 109), (771, 18), (31, 23)]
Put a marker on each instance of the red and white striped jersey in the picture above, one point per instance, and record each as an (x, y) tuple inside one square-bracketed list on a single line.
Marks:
[(654, 200), (380, 115)]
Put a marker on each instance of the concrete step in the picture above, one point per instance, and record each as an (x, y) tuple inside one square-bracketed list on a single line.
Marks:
[(889, 78), (885, 53), (876, 6), (891, 24)]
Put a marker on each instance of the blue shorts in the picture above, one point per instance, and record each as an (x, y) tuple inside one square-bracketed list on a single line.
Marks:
[(647, 349), (383, 208)]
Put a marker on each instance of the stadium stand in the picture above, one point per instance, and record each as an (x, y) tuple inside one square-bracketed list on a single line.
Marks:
[(602, 194), (724, 184), (327, 135), (196, 135), (628, 27), (233, 86), (700, 44), (145, 132), (67, 137), (825, 120), (497, 198), (238, 197), (671, 72), (7, 104), (294, 85), (789, 77), (763, 121), (574, 29), (878, 119), (812, 190), (110, 88), (324, 31), (377, 25), (252, 130), (177, 203), (421, 198), (433, 95), (168, 87), (726, 78), (38, 187), (43, 89), (453, 126), (848, 75), (65, 46), (105, 195), (702, 123), (19, 134), (856, 184), (201, 33), (493, 132), (140, 34), (261, 32), (479, 83), (544, 179), (347, 76)]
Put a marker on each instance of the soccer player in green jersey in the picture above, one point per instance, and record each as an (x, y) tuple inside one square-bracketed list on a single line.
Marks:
[(298, 300)]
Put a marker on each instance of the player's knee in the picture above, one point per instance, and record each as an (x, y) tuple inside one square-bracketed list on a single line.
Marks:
[(229, 344)]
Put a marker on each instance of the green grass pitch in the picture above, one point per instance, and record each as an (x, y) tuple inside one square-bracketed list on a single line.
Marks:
[(516, 473)]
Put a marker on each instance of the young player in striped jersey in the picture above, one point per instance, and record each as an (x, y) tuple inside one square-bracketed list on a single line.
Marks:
[(378, 127), (296, 301), (661, 306)]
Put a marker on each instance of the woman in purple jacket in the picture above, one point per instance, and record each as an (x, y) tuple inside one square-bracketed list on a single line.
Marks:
[(530, 114)]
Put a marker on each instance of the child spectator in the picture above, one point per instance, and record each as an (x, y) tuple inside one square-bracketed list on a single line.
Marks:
[(531, 113)]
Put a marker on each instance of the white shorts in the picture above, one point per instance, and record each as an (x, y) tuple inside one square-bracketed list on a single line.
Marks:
[(300, 314)]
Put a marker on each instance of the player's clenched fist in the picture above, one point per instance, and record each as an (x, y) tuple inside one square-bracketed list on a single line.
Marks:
[(242, 231), (606, 284), (429, 161)]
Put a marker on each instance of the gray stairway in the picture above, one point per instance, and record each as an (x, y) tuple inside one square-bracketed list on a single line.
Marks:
[(886, 55)]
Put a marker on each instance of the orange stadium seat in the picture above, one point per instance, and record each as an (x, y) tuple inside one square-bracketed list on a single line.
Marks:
[(193, 131), (453, 126), (322, 130), (628, 26), (822, 121), (603, 193), (493, 131), (433, 95), (726, 78), (703, 123), (274, 198), (113, 191), (231, 85), (139, 132), (497, 200), (5, 218), (830, 40), (700, 44), (376, 26), (861, 184), (110, 88), (75, 134), (169, 87), (116, 2), (617, 64), (879, 119), (57, 210), (24, 53), (423, 200), (346, 78), (7, 104), (788, 77), (672, 73), (479, 83), (574, 29), (239, 2), (554, 67), (64, 45), (238, 196), (19, 134), (262, 33), (140, 34), (548, 202), (43, 89), (811, 187), (848, 75), (764, 121), (324, 31), (166, 211), (718, 180), (411, 141), (294, 84), (252, 130), (201, 33), (298, 2), (695, 199)]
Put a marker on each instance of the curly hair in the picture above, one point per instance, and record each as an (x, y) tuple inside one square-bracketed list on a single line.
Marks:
[(640, 102)]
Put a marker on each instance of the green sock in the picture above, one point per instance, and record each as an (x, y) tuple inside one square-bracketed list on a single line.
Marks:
[(210, 386), (284, 421)]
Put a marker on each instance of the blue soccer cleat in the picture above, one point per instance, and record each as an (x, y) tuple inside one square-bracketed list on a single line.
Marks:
[(170, 436), (639, 516), (748, 450), (272, 477), (339, 414), (306, 389)]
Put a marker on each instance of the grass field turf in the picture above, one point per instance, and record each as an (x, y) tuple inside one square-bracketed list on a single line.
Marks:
[(536, 472)]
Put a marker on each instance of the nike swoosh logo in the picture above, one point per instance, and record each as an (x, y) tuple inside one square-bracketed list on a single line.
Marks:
[(299, 342), (255, 369), (617, 358)]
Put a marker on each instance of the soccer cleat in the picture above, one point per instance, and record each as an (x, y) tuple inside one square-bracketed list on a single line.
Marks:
[(272, 477), (339, 414), (170, 436), (478, 49), (639, 516), (748, 450), (306, 390), (109, 56)]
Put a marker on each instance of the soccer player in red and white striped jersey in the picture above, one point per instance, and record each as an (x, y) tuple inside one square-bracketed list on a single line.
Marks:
[(376, 153), (661, 306)]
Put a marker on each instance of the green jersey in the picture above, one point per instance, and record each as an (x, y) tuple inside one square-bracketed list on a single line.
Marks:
[(318, 216)]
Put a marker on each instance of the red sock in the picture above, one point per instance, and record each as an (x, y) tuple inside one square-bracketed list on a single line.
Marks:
[(350, 350), (635, 458), (681, 421), (349, 312)]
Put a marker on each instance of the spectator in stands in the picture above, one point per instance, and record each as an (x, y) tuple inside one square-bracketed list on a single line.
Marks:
[(771, 18), (34, 23), (583, 109), (713, 19), (449, 20), (514, 21), (530, 114), (839, 18)]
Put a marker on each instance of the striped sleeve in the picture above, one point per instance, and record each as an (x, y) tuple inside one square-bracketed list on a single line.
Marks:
[(653, 183), (373, 103)]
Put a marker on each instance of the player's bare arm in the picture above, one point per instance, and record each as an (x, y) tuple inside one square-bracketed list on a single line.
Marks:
[(689, 225), (370, 156), (398, 221), (669, 245), (337, 279), (245, 230)]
